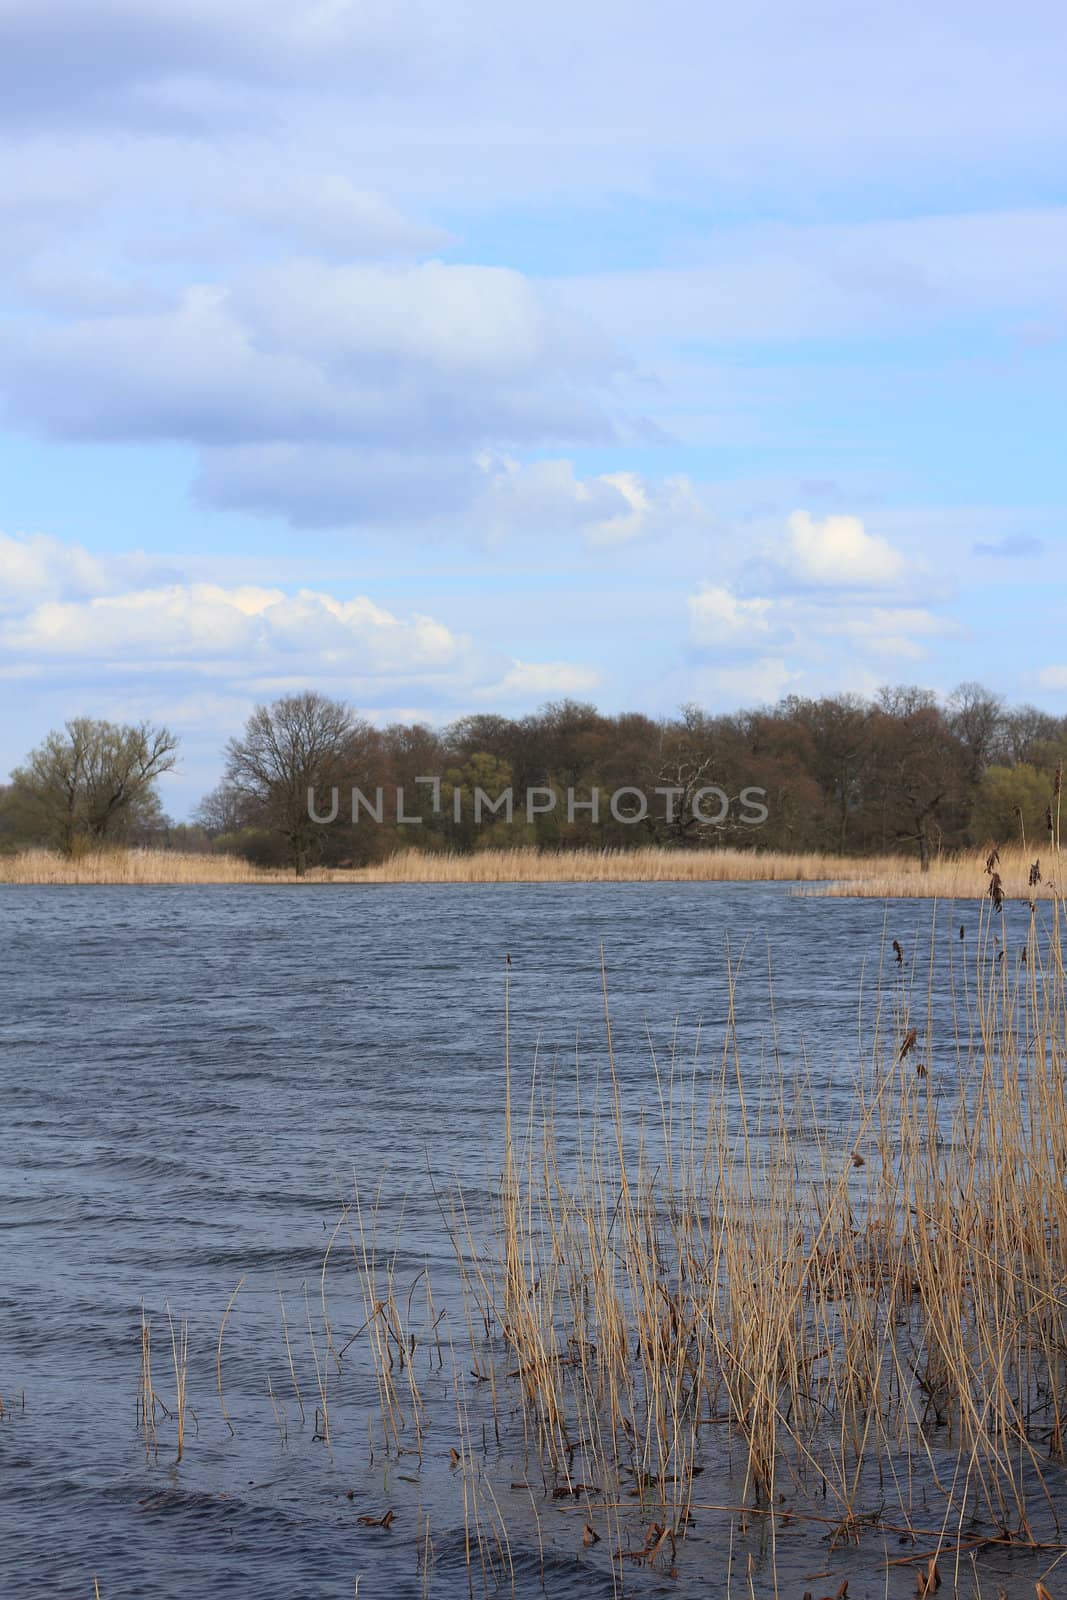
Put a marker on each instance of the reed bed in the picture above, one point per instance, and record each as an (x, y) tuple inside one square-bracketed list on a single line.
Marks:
[(132, 867), (649, 865), (874, 877), (1022, 874), (876, 1320), (878, 877)]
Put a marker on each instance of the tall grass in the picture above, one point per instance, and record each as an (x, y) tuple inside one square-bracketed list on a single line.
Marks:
[(876, 877)]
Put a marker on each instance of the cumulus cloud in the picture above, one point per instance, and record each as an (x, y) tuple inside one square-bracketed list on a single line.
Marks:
[(69, 618), (368, 354), (453, 319), (190, 372), (205, 624), (610, 508), (809, 627), (837, 553), (340, 485), (37, 567), (347, 396), (719, 619), (330, 394)]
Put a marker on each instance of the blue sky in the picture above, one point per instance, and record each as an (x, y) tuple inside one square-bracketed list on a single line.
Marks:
[(469, 356)]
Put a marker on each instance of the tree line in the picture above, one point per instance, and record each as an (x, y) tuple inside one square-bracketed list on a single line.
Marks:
[(901, 771)]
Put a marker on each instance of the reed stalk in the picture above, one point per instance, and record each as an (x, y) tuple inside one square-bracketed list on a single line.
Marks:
[(179, 1344)]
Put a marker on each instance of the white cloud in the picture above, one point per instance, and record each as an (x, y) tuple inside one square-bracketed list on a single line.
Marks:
[(648, 507), (451, 319), (1053, 677), (809, 629), (611, 508), (204, 651), (203, 625), (720, 620), (533, 680), (329, 395), (837, 553), (35, 566), (894, 630)]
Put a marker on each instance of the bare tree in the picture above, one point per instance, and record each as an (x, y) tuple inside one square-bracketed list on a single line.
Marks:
[(92, 781), (221, 811), (921, 766), (1029, 736), (840, 753), (976, 717), (300, 743)]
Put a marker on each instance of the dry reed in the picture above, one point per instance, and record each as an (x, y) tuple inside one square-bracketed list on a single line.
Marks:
[(131, 867), (147, 1400), (1022, 874), (878, 877), (881, 1318), (218, 1353), (179, 1344)]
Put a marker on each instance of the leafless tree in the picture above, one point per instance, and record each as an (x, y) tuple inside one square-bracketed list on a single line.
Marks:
[(976, 717), (299, 743), (921, 766)]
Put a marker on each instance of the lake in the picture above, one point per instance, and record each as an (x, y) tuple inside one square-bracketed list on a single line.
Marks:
[(195, 1080)]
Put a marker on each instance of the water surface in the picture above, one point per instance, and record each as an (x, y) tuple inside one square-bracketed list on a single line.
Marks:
[(195, 1077)]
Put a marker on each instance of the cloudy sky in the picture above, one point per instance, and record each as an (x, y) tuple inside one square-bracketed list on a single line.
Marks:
[(464, 356)]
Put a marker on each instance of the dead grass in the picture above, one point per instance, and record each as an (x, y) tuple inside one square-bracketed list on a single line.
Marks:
[(876, 877)]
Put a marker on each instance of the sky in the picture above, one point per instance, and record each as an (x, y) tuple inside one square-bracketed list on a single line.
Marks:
[(463, 357)]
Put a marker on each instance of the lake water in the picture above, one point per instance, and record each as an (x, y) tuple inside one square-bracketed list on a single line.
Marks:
[(193, 1081)]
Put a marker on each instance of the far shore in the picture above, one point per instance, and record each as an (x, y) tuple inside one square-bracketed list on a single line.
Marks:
[(966, 876)]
